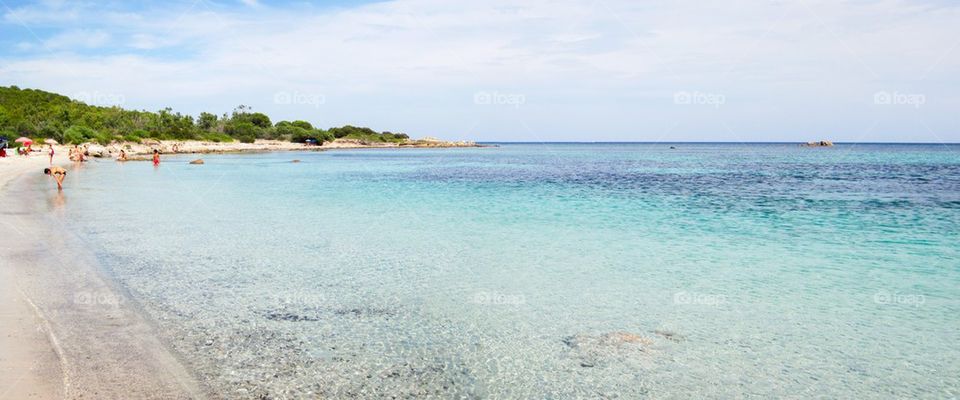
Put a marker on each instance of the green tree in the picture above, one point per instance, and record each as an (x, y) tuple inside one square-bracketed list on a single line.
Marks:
[(207, 122), (35, 113), (244, 131), (79, 134)]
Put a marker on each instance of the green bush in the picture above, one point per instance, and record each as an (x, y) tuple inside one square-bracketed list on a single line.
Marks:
[(36, 113), (215, 137), (242, 129), (78, 134), (103, 138), (246, 138)]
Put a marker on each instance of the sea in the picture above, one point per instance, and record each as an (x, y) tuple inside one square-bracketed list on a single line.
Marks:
[(542, 270)]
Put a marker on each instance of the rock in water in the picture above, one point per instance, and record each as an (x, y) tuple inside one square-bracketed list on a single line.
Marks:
[(822, 143), (295, 161), (197, 162), (620, 338), (597, 350), (669, 335)]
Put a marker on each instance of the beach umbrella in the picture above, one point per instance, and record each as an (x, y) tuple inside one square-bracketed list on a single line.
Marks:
[(24, 140), (50, 141)]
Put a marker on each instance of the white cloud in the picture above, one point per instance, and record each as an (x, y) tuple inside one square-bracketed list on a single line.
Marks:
[(621, 60), (81, 38)]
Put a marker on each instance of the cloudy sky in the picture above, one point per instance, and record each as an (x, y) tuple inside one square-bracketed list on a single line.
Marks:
[(532, 70)]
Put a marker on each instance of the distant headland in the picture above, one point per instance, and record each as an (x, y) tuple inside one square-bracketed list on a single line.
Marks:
[(48, 117)]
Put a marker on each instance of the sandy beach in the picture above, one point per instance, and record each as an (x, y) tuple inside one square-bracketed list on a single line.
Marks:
[(68, 332), (29, 363)]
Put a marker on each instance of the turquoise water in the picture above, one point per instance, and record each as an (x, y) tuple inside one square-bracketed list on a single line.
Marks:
[(523, 271)]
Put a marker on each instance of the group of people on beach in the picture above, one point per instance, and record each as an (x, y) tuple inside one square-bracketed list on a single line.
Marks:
[(78, 155)]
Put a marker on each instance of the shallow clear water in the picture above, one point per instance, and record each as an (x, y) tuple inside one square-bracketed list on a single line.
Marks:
[(756, 271)]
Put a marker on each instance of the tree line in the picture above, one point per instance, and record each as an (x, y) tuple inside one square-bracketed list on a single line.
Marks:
[(40, 115)]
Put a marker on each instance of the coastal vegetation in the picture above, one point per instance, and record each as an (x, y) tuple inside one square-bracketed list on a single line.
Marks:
[(43, 115)]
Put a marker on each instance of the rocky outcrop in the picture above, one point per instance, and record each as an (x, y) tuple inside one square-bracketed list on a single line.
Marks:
[(96, 150), (822, 143)]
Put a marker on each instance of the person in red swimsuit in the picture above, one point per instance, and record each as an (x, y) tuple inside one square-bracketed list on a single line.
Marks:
[(156, 157)]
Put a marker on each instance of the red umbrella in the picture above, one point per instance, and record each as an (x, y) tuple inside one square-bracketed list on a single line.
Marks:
[(25, 140)]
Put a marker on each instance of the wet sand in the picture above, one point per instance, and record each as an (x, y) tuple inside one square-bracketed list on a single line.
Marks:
[(68, 332)]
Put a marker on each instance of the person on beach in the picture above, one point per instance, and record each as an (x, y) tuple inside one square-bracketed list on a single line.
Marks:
[(57, 173), (123, 156), (51, 153), (156, 158)]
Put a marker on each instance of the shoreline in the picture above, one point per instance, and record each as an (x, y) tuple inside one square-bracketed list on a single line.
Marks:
[(50, 349), (143, 151), (30, 359), (72, 333)]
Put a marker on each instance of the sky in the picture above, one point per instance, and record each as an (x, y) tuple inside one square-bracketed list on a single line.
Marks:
[(495, 70)]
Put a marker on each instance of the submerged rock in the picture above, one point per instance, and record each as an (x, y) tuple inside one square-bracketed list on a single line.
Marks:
[(594, 350), (197, 162), (610, 339), (317, 314), (366, 311), (669, 335), (291, 317), (295, 161)]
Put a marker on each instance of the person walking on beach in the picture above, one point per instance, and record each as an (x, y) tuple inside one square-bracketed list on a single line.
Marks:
[(57, 173), (51, 153), (156, 158)]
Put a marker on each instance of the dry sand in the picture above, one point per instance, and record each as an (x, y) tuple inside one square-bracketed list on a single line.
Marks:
[(67, 331), (29, 364)]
